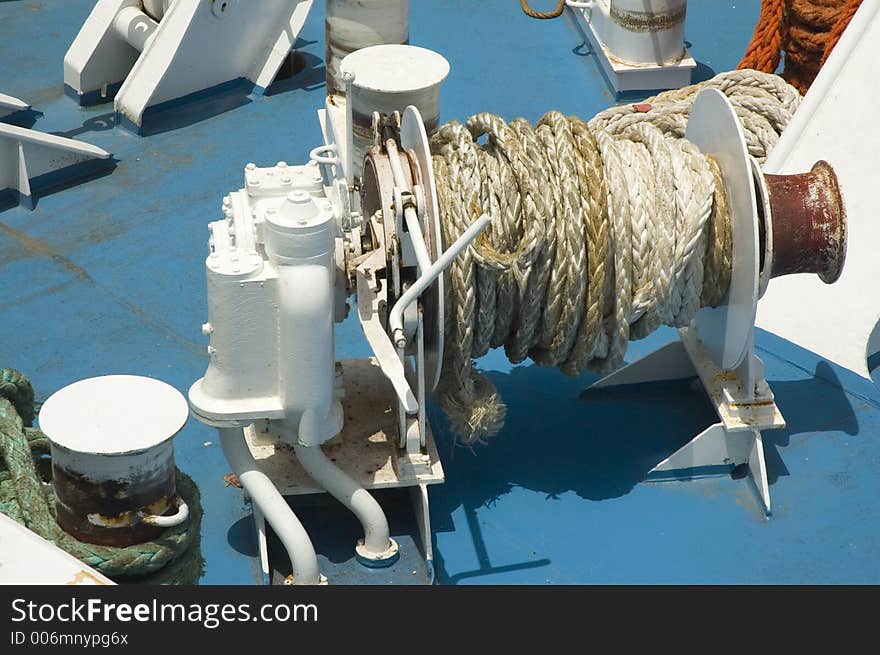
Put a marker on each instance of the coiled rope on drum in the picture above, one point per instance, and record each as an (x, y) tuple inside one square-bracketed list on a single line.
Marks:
[(603, 231)]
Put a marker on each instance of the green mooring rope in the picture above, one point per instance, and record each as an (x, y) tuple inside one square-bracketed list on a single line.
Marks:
[(25, 498)]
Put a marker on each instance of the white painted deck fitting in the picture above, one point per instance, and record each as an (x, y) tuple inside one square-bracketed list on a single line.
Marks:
[(837, 122), (113, 414)]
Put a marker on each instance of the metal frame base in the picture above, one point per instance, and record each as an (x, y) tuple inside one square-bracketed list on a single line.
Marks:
[(31, 161), (735, 439), (366, 449)]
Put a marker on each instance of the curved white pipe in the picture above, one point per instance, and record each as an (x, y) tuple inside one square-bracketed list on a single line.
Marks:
[(175, 519), (265, 495), (348, 492), (427, 277)]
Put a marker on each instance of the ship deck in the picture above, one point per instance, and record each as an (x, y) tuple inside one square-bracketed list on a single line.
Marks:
[(107, 276)]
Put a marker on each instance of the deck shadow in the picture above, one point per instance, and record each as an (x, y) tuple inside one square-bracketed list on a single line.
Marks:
[(603, 447), (300, 71), (26, 118), (99, 123)]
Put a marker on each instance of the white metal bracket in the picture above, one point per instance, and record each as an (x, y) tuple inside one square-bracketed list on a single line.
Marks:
[(10, 105), (743, 412), (719, 346), (147, 61), (31, 161)]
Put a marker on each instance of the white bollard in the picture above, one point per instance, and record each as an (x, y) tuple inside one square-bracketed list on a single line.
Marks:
[(113, 458), (645, 31)]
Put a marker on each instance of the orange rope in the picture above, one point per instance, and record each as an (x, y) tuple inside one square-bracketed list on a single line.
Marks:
[(765, 49), (804, 30), (836, 32)]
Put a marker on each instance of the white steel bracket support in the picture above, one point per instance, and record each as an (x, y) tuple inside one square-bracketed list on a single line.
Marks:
[(149, 63), (742, 411), (719, 345), (32, 160), (625, 77)]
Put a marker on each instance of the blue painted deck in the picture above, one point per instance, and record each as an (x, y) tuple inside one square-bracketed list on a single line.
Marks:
[(107, 277)]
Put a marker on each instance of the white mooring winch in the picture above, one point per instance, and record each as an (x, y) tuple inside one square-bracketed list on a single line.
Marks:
[(288, 253), (296, 241)]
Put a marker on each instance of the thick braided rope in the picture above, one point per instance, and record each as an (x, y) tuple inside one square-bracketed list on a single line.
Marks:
[(25, 499), (764, 51), (602, 232), (18, 389), (806, 31)]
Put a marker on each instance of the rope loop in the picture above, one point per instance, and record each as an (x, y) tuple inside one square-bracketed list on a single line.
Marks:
[(542, 15)]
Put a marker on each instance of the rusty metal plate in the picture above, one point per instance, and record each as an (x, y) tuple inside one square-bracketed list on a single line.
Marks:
[(364, 449)]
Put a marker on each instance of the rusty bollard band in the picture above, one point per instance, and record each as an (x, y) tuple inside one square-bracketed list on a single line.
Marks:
[(113, 457), (109, 513), (809, 223)]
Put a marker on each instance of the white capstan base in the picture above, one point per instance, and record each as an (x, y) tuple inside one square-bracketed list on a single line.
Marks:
[(628, 77), (735, 439), (365, 449)]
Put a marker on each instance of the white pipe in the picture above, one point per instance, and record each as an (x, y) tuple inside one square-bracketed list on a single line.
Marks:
[(299, 241), (181, 515), (348, 492), (396, 167), (395, 320), (412, 218), (306, 353), (423, 258), (303, 561), (135, 27)]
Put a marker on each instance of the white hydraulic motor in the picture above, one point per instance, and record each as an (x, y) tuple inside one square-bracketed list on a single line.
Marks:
[(282, 262)]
